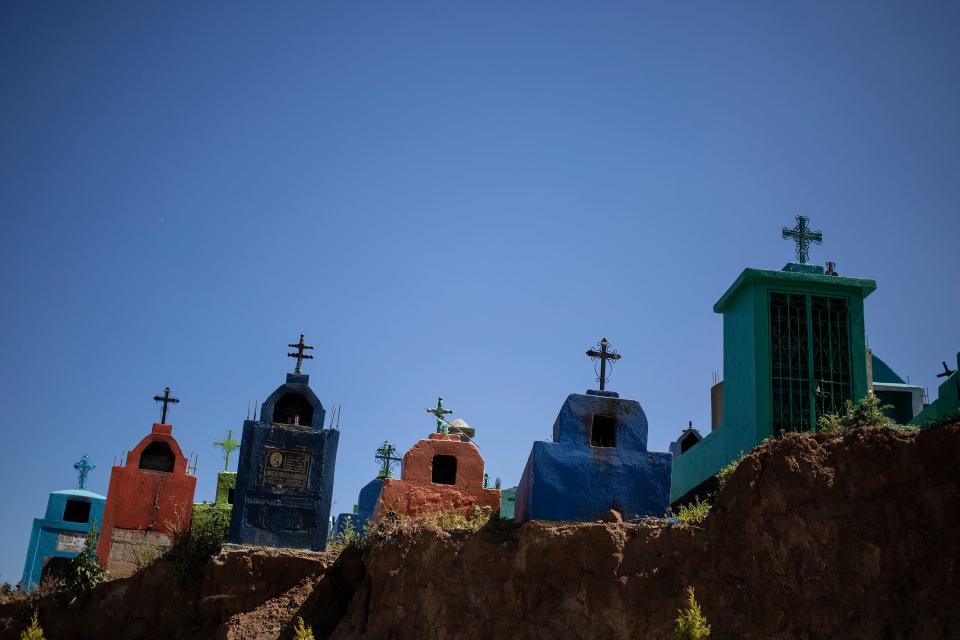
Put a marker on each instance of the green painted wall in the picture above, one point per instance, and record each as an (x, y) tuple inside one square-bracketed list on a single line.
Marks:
[(947, 404), (226, 483), (747, 387)]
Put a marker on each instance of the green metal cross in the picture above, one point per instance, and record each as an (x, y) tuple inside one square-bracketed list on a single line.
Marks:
[(299, 355), (83, 468), (442, 425), (229, 445), (386, 455), (803, 236)]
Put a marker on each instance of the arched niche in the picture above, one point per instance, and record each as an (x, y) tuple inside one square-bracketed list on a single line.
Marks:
[(157, 456), (292, 408)]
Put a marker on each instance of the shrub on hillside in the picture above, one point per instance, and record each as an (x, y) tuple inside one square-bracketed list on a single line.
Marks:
[(192, 549), (84, 572), (691, 623), (868, 413), (302, 631), (34, 631), (693, 513)]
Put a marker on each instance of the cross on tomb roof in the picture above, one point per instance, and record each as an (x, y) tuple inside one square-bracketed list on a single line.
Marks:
[(229, 445), (299, 355), (603, 355), (166, 399), (83, 468), (802, 236), (386, 455), (442, 425)]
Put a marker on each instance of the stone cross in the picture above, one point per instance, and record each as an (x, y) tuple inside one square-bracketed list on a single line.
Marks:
[(439, 412), (229, 445), (299, 355), (604, 354), (386, 455), (83, 468), (166, 400), (803, 236)]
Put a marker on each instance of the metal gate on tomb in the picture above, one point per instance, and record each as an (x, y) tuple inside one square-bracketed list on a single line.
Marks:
[(809, 359)]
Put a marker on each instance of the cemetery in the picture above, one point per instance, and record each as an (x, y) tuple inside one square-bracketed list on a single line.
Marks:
[(805, 416)]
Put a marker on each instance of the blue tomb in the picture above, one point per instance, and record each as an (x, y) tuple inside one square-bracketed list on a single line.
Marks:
[(285, 472), (598, 460), (366, 503), (60, 535)]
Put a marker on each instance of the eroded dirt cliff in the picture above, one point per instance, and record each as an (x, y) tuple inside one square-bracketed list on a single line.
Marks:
[(850, 536)]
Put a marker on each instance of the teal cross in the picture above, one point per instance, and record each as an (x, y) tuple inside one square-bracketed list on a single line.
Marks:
[(83, 468), (386, 454), (442, 425), (803, 236), (229, 445)]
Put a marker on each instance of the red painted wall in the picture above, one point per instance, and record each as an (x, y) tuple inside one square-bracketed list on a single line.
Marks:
[(415, 493), (148, 500)]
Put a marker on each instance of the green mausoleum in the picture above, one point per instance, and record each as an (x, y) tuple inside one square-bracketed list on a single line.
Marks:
[(793, 350)]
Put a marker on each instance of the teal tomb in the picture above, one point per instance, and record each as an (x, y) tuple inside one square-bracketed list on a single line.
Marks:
[(59, 536)]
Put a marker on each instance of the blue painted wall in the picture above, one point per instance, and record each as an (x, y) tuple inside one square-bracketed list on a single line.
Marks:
[(285, 516), (45, 538), (367, 501), (568, 479)]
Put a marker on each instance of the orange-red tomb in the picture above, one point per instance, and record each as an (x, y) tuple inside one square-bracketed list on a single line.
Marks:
[(149, 499), (440, 473)]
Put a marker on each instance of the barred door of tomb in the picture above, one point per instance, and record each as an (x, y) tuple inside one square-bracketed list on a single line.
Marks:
[(809, 359)]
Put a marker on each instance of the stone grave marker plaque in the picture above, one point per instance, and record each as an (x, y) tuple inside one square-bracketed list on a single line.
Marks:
[(286, 468)]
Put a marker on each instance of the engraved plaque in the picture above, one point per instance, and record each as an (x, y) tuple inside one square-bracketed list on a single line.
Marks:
[(286, 468), (71, 542)]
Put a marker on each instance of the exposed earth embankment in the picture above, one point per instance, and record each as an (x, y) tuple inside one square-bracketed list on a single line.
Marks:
[(826, 536)]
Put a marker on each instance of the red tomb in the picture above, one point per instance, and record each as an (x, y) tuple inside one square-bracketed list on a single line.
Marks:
[(441, 473), (149, 499)]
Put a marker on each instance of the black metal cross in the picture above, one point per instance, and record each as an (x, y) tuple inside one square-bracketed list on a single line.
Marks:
[(947, 371), (299, 355), (803, 236), (604, 354), (166, 400)]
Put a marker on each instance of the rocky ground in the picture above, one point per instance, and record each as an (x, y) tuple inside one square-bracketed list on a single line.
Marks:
[(848, 536)]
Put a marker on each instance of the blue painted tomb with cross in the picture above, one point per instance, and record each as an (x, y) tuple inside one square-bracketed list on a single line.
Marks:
[(597, 461), (386, 456), (59, 536), (285, 471)]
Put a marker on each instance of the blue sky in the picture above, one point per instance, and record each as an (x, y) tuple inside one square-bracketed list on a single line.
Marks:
[(447, 198)]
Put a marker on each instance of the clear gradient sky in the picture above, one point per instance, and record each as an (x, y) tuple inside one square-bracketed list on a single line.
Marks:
[(447, 198)]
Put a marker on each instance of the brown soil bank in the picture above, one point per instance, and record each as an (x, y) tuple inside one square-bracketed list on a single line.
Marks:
[(854, 536)]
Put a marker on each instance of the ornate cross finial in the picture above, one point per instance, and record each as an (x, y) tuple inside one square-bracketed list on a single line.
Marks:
[(299, 355), (386, 455), (603, 355), (229, 445), (166, 399), (442, 425), (83, 468), (803, 236)]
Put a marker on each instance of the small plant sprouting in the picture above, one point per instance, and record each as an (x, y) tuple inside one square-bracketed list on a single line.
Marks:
[(344, 538), (693, 513), (34, 631), (727, 470), (302, 631), (691, 623)]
